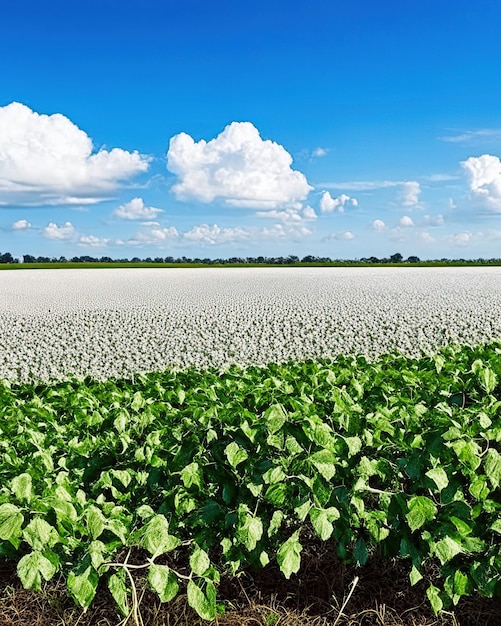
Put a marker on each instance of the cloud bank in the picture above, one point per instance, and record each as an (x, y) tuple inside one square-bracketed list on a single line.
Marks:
[(237, 167), (484, 178), (47, 159)]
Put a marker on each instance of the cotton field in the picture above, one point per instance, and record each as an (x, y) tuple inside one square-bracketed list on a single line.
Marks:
[(114, 322)]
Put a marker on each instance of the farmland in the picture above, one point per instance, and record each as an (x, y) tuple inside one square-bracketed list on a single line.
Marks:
[(120, 322), (193, 426)]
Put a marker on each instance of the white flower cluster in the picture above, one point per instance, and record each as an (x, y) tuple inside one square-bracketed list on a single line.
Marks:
[(115, 322)]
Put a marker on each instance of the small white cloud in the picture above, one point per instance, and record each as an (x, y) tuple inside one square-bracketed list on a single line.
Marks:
[(155, 235), (433, 220), (46, 159), (473, 136), (409, 193), (484, 177), (328, 204), (318, 152), (237, 167), (347, 235), (440, 178), (378, 225), (62, 233), (215, 234), (406, 222), (289, 216), (136, 210), (397, 234), (309, 214), (425, 237), (93, 242), (21, 225), (460, 239)]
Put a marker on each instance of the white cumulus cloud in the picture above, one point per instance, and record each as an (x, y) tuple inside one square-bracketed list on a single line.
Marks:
[(406, 222), (136, 210), (460, 239), (62, 233), (484, 177), (328, 204), (93, 242), (155, 235), (213, 235), (21, 225), (47, 159), (237, 167), (409, 193), (378, 225)]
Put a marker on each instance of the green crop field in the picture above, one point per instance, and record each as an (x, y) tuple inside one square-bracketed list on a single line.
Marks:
[(210, 473)]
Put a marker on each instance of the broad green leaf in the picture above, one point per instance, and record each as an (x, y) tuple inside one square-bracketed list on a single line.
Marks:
[(275, 522), (34, 567), (22, 487), (439, 477), (325, 463), (137, 401), (83, 586), (163, 581), (96, 521), (97, 553), (11, 521), (492, 464), (303, 509), (468, 452), (360, 552), (40, 534), (203, 603), (274, 475), (478, 488), (65, 511), (496, 527), (275, 418), (488, 379), (118, 589), (446, 549), (354, 445), (289, 555), (235, 454), (461, 582), (433, 594), (421, 510), (199, 561), (250, 529), (321, 520), (156, 538), (192, 475), (415, 575)]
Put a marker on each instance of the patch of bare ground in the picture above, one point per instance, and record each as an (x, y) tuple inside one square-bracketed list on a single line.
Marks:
[(325, 592)]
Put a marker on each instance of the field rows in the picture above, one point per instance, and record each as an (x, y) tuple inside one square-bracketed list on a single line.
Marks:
[(120, 321)]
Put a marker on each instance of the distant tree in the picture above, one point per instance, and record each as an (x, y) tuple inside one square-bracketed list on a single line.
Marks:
[(396, 258), (135, 259), (29, 258), (158, 259), (292, 258), (374, 259), (106, 259), (6, 257), (413, 259)]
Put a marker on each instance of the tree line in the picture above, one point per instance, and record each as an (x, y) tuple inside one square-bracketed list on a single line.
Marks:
[(291, 259)]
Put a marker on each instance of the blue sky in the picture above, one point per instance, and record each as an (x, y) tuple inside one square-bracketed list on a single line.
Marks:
[(250, 128)]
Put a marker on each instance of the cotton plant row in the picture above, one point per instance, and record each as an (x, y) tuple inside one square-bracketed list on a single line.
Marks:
[(116, 322)]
